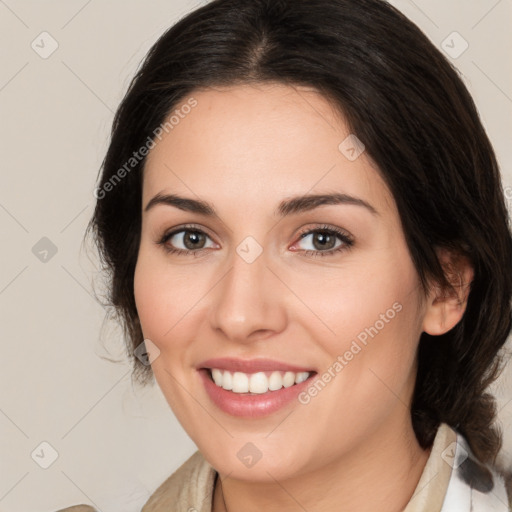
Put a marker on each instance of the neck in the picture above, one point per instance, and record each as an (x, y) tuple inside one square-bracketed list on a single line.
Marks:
[(380, 474)]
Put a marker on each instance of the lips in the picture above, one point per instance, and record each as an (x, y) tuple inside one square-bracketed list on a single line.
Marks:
[(248, 404)]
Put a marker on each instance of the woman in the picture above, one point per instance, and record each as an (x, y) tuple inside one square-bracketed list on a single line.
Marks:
[(308, 244)]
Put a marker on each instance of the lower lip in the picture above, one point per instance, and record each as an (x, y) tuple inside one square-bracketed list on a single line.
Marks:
[(251, 406)]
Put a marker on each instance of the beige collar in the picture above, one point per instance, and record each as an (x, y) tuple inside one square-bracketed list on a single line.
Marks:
[(431, 489)]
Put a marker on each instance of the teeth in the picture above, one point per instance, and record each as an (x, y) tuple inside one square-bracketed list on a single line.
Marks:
[(240, 382), (227, 380), (258, 383), (217, 376), (301, 377), (275, 381), (288, 379)]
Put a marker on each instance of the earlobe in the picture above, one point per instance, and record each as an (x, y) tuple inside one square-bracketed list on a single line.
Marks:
[(445, 308)]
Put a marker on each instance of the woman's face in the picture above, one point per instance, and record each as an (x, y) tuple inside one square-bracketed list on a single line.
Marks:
[(275, 279)]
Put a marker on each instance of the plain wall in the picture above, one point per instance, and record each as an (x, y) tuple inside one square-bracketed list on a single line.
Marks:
[(116, 444)]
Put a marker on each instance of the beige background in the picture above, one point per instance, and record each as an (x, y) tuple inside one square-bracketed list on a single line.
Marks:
[(115, 444)]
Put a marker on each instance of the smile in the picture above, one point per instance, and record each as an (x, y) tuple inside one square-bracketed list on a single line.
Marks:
[(253, 388)]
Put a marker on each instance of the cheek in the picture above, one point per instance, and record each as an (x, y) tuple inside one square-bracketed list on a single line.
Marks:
[(387, 330), (162, 297), (162, 305), (348, 301), (171, 313), (149, 300), (371, 312)]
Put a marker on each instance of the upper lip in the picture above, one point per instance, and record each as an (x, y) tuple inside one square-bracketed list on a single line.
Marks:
[(251, 365)]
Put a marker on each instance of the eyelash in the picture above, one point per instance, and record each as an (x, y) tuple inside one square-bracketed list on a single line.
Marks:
[(347, 240)]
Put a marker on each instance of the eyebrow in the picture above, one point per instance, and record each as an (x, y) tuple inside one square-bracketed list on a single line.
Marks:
[(286, 207)]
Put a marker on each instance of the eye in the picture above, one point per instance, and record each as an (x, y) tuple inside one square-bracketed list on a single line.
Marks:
[(185, 240), (324, 241)]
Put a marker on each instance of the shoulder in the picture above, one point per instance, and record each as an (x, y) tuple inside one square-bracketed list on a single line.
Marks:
[(189, 487), (78, 508)]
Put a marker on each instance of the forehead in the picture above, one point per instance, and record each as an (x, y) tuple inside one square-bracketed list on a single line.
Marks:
[(259, 143)]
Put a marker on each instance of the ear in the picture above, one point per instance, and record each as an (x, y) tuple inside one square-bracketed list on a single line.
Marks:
[(445, 308)]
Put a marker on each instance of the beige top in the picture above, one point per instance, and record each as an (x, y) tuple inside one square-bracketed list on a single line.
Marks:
[(190, 488)]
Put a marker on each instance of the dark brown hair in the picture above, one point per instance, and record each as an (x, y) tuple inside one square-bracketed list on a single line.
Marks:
[(419, 124)]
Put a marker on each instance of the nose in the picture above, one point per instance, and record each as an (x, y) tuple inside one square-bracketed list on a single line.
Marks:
[(248, 303)]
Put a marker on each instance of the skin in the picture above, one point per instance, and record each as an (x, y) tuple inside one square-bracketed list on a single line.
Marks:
[(244, 149)]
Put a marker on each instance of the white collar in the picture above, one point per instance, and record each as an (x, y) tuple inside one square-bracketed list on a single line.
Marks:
[(486, 495)]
